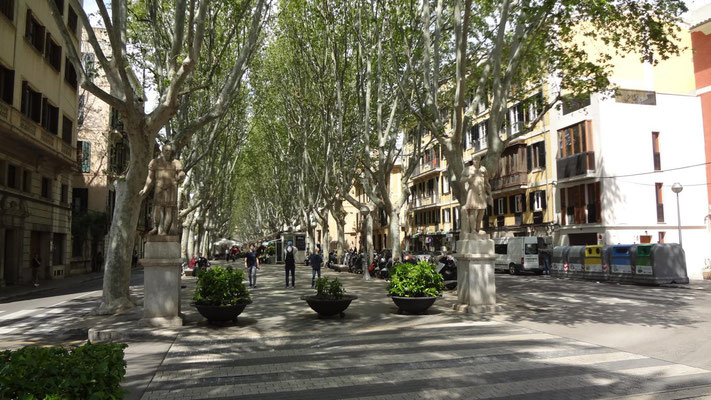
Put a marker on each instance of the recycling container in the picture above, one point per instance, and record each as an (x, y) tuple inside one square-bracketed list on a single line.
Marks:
[(559, 266), (594, 265), (576, 261), (641, 258), (660, 264), (621, 263)]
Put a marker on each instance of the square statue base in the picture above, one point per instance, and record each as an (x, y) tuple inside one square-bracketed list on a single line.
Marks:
[(476, 286), (161, 297)]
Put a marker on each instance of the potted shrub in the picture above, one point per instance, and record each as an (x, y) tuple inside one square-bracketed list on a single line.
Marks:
[(220, 294), (330, 298), (415, 287)]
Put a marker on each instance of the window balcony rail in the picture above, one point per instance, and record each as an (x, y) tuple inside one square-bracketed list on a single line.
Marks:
[(510, 180), (660, 212), (577, 164), (657, 162), (36, 134), (426, 167), (426, 201), (479, 144)]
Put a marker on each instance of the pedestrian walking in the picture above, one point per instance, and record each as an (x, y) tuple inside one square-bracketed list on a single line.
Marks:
[(98, 262), (36, 264), (544, 258), (251, 264), (290, 263), (227, 255), (316, 261)]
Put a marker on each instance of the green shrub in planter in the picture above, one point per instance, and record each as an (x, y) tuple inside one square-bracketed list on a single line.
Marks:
[(331, 289), (415, 280), (91, 371), (220, 286)]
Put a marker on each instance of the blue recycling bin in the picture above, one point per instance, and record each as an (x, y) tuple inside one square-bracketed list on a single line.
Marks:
[(621, 268)]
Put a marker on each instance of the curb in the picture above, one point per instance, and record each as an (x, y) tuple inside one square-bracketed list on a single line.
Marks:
[(98, 335)]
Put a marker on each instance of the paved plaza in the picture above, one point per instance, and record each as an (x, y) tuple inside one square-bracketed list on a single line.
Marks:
[(280, 349)]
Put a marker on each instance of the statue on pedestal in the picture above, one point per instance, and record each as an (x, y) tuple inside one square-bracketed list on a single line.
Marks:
[(478, 195), (164, 174)]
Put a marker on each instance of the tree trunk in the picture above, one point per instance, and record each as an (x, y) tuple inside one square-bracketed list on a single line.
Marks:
[(191, 238), (341, 237), (185, 237), (394, 232), (368, 244), (117, 271), (326, 233)]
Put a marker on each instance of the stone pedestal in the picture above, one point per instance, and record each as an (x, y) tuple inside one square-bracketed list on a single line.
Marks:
[(161, 299), (476, 287)]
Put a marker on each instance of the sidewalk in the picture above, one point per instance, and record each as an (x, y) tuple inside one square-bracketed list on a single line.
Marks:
[(14, 292), (281, 349)]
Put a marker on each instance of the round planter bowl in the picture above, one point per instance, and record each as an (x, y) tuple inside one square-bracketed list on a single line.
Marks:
[(413, 305), (329, 307), (220, 313)]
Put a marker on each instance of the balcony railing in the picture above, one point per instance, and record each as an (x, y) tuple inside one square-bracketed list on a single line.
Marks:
[(511, 180), (426, 167), (426, 201), (657, 162), (33, 132), (577, 164), (660, 212)]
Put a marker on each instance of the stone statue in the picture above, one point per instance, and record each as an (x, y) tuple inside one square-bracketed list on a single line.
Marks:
[(478, 192), (164, 173)]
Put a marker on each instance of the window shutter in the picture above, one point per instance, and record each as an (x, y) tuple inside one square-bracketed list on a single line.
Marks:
[(543, 199), (529, 158), (28, 23), (542, 155), (488, 210), (532, 200), (523, 202), (496, 207), (512, 204)]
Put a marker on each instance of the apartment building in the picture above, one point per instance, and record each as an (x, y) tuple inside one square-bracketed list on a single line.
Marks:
[(38, 114), (618, 156)]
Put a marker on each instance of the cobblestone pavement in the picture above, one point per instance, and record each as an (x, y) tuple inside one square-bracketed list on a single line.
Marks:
[(280, 349)]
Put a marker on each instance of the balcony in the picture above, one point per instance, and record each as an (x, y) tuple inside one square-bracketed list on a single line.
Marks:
[(575, 165), (514, 180), (426, 201), (32, 133), (426, 167)]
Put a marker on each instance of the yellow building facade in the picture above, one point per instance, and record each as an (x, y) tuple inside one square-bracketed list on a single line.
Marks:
[(38, 113)]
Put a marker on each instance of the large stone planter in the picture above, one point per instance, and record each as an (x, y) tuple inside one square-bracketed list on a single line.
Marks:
[(707, 274), (327, 307), (413, 305), (220, 313)]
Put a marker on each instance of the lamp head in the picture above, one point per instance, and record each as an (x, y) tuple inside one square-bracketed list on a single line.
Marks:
[(677, 188)]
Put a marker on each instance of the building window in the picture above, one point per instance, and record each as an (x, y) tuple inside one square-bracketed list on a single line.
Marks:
[(581, 204), (661, 237), (536, 156), (67, 130), (12, 180), (655, 152), (660, 203), (515, 119), (50, 117), (571, 104), (60, 6), (80, 200), (46, 188), (53, 53), (636, 97), (533, 106), (2, 173), (538, 200), (87, 60), (34, 32), (26, 181), (519, 203), (7, 8), (59, 240), (31, 103), (7, 83), (64, 194), (70, 74), (575, 139), (446, 215), (500, 206), (72, 21), (445, 185), (115, 120)]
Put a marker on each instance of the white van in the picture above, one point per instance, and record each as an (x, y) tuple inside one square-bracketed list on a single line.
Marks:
[(516, 254)]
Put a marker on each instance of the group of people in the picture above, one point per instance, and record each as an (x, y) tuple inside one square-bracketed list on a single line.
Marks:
[(231, 253), (252, 265)]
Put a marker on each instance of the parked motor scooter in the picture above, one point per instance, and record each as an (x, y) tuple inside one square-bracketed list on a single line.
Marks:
[(332, 260), (448, 269)]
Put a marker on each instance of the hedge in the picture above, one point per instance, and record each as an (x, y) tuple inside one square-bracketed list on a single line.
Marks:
[(91, 371)]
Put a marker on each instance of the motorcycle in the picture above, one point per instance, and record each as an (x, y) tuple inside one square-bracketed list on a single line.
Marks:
[(385, 263), (332, 260), (448, 269), (356, 263)]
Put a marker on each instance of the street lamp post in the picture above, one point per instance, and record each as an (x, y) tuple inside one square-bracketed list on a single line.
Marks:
[(677, 188)]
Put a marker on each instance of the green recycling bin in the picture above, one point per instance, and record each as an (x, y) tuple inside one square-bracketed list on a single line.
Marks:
[(642, 260)]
